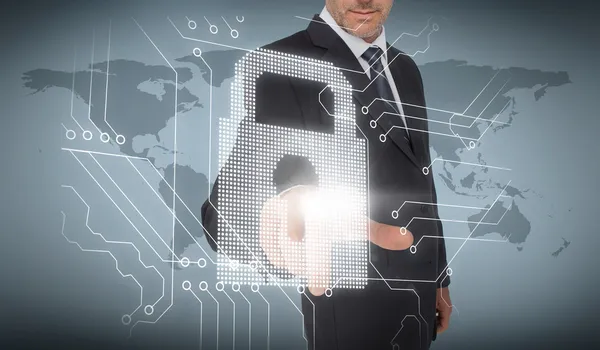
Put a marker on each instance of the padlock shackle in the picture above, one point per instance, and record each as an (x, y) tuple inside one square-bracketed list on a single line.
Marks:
[(250, 67)]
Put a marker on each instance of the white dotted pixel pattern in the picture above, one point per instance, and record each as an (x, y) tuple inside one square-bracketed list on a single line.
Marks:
[(246, 182)]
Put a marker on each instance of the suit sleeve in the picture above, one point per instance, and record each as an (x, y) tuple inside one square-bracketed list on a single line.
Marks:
[(276, 104), (442, 262)]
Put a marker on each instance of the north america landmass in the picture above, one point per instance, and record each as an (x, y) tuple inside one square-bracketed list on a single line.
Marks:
[(145, 95)]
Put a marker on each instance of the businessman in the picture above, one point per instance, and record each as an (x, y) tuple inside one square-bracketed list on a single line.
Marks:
[(406, 301)]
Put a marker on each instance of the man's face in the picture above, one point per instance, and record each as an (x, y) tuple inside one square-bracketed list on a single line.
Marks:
[(361, 18)]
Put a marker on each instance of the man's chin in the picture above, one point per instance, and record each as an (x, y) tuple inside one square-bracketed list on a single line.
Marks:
[(362, 29), (364, 34)]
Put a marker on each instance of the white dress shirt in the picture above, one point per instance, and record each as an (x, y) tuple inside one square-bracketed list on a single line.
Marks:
[(358, 46)]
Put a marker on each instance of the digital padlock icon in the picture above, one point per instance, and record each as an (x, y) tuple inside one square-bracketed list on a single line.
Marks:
[(335, 220)]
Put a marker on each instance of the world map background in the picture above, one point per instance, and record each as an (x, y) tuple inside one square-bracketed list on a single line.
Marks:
[(145, 94), (141, 103)]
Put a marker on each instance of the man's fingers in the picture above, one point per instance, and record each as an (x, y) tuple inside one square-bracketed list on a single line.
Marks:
[(270, 222), (318, 263), (305, 246), (318, 275), (443, 321), (293, 251), (282, 230), (306, 250), (291, 230), (292, 209), (316, 291), (390, 237)]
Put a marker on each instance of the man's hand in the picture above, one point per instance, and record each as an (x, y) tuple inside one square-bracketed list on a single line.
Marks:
[(282, 237), (444, 309)]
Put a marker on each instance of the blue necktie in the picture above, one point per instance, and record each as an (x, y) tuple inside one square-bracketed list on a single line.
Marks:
[(373, 56)]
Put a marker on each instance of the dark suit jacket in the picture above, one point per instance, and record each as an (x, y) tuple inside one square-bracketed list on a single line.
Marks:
[(400, 310)]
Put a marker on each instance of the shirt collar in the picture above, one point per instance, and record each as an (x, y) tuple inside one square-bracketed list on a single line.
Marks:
[(357, 45)]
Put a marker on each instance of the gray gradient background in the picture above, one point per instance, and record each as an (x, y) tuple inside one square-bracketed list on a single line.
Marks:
[(52, 295)]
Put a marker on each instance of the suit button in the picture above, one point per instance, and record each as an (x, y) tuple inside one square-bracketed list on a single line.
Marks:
[(424, 208)]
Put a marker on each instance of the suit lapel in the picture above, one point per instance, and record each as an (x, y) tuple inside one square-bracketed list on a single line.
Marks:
[(342, 57), (409, 98)]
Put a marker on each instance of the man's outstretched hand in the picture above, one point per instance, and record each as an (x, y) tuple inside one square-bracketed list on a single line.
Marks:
[(283, 239)]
